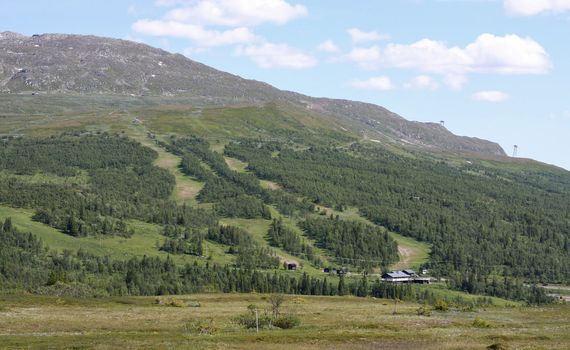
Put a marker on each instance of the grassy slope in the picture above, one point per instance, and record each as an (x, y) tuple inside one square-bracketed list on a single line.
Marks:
[(186, 188), (231, 122), (41, 322), (143, 242)]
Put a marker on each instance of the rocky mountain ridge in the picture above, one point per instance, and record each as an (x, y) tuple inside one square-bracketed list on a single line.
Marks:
[(65, 64)]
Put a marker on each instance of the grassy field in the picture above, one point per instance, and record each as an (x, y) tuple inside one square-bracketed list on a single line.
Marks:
[(366, 323)]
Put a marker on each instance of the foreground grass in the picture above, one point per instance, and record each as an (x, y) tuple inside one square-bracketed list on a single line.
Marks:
[(129, 322)]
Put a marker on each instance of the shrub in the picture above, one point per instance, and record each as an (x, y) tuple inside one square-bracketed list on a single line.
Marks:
[(286, 321), (479, 323), (276, 300), (201, 327), (170, 302), (275, 319), (441, 305), (424, 310), (248, 320)]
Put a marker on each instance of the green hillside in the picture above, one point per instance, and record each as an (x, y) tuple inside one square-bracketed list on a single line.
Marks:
[(158, 181)]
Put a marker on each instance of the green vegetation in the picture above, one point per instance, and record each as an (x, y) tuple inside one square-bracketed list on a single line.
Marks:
[(62, 322), (495, 223), (352, 242), (283, 237), (115, 188)]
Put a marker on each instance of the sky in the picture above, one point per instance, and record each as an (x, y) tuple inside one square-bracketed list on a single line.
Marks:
[(493, 69)]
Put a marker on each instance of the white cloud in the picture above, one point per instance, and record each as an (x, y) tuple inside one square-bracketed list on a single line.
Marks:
[(368, 58), (269, 55), (382, 83), (201, 36), (490, 96), (535, 7), (328, 46), (235, 13), (359, 36), (509, 54), (422, 82)]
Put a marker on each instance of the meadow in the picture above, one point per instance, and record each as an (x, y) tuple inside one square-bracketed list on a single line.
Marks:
[(207, 321)]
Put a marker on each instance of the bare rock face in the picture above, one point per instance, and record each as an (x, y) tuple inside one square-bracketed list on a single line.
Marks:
[(62, 64)]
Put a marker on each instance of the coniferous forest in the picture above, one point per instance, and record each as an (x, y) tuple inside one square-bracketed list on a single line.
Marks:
[(492, 232), (481, 222)]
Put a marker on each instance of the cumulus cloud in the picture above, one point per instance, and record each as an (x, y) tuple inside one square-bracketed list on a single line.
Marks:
[(509, 54), (270, 55), (201, 36), (368, 58), (236, 13), (382, 83), (535, 7), (422, 82), (359, 36), (328, 46), (490, 96)]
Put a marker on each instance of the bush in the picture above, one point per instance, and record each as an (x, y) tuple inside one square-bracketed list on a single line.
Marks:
[(441, 305), (170, 302), (248, 319), (286, 321), (424, 310), (201, 327), (265, 319), (479, 323)]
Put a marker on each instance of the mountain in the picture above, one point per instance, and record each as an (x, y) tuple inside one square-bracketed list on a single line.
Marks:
[(61, 64), (117, 150)]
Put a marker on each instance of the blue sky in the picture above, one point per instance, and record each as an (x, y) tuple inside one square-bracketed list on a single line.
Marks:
[(494, 69)]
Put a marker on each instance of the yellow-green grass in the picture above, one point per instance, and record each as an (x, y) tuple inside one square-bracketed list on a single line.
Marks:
[(412, 253), (143, 242), (326, 323), (236, 164), (241, 167), (186, 188), (270, 185), (46, 125), (225, 123)]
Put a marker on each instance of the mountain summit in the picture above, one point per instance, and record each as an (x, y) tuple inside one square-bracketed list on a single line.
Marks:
[(78, 64)]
